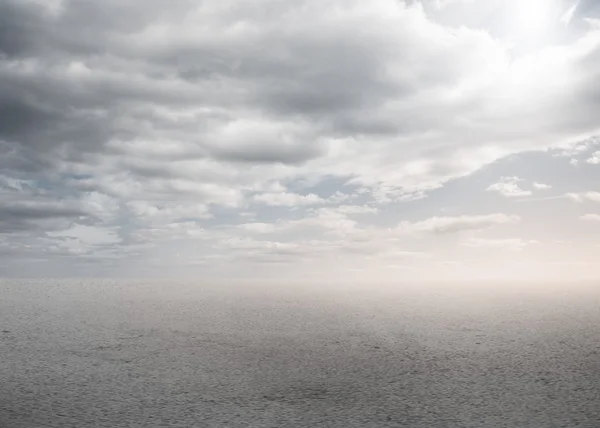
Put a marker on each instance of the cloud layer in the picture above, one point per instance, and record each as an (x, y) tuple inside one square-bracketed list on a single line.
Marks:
[(214, 133)]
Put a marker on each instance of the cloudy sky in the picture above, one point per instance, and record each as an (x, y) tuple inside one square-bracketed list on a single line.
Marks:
[(305, 139)]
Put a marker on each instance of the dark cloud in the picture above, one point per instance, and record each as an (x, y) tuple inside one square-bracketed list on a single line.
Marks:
[(37, 207), (19, 29), (20, 119), (96, 66), (278, 152), (74, 27), (34, 211), (330, 73), (36, 217)]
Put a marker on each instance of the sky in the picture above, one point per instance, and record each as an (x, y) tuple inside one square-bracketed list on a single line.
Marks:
[(311, 140)]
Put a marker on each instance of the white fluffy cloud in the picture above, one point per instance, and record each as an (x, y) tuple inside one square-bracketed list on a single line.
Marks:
[(509, 187), (443, 225), (541, 186), (286, 199), (594, 159), (584, 196), (512, 244), (590, 217)]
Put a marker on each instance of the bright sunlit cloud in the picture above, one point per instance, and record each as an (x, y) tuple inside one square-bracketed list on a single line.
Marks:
[(532, 18), (534, 22)]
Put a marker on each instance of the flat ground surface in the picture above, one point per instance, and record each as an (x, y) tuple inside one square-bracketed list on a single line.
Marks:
[(139, 354)]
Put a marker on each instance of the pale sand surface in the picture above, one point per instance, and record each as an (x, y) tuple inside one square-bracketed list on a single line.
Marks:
[(171, 354)]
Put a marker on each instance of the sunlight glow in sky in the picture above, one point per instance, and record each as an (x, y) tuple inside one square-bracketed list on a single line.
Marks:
[(532, 18)]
